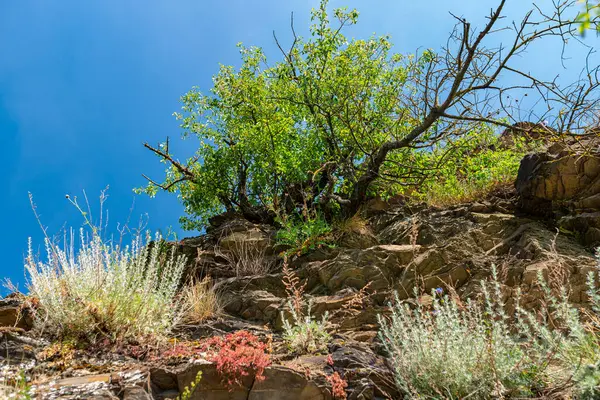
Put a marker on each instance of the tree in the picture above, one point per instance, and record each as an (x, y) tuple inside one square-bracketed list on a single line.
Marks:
[(336, 121), (588, 16)]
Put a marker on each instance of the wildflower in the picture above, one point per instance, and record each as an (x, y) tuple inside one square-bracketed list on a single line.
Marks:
[(439, 291)]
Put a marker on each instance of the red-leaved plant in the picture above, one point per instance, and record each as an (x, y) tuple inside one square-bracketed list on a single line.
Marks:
[(338, 386), (238, 355), (181, 350)]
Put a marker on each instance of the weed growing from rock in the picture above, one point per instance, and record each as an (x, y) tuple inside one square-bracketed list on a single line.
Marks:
[(244, 257), (457, 350), (581, 350), (476, 349), (338, 386), (303, 334)]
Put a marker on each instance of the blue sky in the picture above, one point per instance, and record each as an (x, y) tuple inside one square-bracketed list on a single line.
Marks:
[(84, 84)]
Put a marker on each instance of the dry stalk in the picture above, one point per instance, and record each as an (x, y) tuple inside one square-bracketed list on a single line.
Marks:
[(244, 258), (357, 301), (293, 288), (558, 272), (413, 233)]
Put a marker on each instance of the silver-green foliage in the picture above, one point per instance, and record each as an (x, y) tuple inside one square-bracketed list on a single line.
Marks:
[(103, 291), (305, 334), (475, 349)]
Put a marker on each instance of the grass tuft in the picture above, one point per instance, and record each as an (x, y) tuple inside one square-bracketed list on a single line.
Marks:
[(200, 301)]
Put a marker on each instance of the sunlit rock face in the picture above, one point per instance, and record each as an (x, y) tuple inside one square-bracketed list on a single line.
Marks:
[(563, 184), (399, 249)]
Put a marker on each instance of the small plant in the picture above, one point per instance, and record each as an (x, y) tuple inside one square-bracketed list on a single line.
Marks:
[(100, 291), (200, 301), (59, 355), (15, 384), (338, 386), (304, 334), (237, 355), (189, 390), (302, 235)]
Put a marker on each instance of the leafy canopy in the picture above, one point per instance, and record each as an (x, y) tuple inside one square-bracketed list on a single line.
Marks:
[(338, 120), (586, 17), (265, 131)]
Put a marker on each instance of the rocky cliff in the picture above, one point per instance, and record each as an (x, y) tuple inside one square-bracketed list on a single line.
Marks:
[(550, 224)]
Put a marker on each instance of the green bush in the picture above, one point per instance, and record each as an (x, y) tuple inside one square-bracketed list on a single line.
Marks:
[(301, 235), (473, 166), (453, 352)]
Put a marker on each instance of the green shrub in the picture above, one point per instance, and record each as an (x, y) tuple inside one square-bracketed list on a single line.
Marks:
[(301, 235), (474, 165)]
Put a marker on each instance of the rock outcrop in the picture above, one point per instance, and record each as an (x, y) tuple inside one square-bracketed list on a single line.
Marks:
[(546, 227), (419, 250), (13, 314), (563, 184)]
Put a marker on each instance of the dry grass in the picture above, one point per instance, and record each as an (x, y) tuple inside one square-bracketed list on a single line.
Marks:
[(354, 224), (201, 301), (245, 258), (559, 273)]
